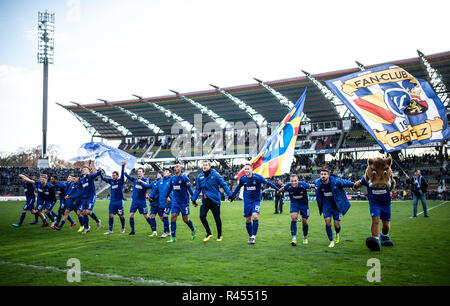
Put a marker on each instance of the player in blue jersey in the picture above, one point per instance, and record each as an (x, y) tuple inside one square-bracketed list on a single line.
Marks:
[(332, 201), (28, 188), (41, 195), (139, 200), (61, 189), (159, 195), (116, 206), (73, 201), (208, 182), (181, 187), (50, 201), (299, 204), (252, 199), (154, 205), (88, 198)]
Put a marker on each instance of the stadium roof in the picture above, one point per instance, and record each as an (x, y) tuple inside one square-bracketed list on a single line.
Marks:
[(133, 115)]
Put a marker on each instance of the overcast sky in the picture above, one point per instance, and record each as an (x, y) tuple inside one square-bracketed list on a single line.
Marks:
[(110, 49)]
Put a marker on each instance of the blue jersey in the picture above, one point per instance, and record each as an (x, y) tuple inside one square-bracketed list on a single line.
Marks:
[(139, 190), (298, 194), (252, 187), (60, 189), (181, 186), (209, 185), (40, 190), (74, 190), (328, 198), (116, 186), (377, 196), (88, 187), (160, 192), (49, 192), (28, 188)]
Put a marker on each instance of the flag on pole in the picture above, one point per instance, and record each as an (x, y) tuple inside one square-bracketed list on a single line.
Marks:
[(396, 108), (108, 158), (276, 156)]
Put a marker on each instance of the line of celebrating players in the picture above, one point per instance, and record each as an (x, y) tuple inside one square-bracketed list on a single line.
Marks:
[(170, 196)]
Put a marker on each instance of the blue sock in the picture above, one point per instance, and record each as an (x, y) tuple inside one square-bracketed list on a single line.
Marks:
[(132, 224), (293, 228), (122, 221), (173, 228), (329, 232), (70, 219), (58, 218), (153, 224), (22, 216), (111, 223), (305, 230), (49, 215), (81, 220), (86, 221), (255, 226), (149, 221), (36, 218), (166, 225), (337, 229), (62, 224), (53, 214), (93, 216), (191, 225), (248, 225)]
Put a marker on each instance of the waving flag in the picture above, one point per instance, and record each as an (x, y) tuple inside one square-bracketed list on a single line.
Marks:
[(396, 108), (276, 156), (108, 158)]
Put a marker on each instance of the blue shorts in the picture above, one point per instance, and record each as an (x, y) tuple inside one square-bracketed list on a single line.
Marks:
[(160, 211), (29, 205), (49, 204), (382, 211), (328, 212), (303, 209), (141, 206), (116, 208), (40, 204), (252, 207), (88, 204), (183, 208), (69, 205), (62, 204)]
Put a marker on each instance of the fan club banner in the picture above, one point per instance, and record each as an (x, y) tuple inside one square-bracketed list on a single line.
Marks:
[(396, 108), (108, 158), (276, 156)]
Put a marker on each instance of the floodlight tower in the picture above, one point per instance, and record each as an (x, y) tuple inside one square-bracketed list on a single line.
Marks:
[(46, 33)]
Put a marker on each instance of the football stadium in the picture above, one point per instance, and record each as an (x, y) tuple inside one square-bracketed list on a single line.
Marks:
[(310, 180)]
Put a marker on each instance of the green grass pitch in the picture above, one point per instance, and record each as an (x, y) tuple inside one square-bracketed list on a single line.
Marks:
[(419, 256)]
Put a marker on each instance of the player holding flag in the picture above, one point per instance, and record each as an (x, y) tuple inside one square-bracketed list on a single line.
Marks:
[(252, 199)]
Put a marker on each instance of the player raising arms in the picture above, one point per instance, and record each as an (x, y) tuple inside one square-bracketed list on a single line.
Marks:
[(181, 187), (208, 182), (332, 201), (299, 203), (116, 202), (28, 188), (159, 195), (154, 204), (61, 189), (88, 197), (252, 199), (138, 202)]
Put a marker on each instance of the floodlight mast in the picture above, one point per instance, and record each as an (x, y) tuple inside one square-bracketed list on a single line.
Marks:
[(46, 31)]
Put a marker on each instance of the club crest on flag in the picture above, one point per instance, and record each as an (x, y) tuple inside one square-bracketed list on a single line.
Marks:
[(396, 108)]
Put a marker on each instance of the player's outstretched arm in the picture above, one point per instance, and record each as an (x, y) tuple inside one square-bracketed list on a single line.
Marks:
[(26, 179)]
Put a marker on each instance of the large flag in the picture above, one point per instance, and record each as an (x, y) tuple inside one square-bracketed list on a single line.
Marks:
[(276, 156), (396, 108), (108, 158)]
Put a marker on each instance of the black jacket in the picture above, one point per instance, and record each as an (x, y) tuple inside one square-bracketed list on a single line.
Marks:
[(423, 185)]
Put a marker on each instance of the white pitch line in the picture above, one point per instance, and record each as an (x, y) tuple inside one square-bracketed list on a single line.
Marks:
[(101, 275), (432, 207)]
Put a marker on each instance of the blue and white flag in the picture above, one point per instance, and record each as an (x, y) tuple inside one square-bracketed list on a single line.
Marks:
[(397, 109), (108, 158)]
